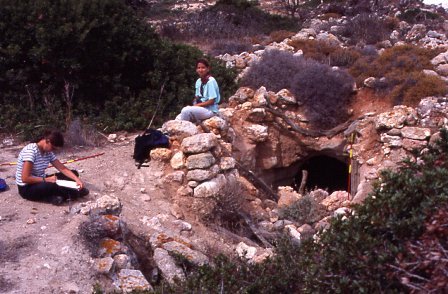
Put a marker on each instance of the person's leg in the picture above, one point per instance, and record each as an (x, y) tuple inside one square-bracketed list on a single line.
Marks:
[(195, 113), (46, 192)]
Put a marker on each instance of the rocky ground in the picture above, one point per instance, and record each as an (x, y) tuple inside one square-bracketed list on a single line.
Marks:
[(40, 247)]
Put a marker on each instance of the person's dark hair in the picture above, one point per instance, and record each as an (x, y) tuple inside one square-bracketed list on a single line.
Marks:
[(56, 138), (203, 61)]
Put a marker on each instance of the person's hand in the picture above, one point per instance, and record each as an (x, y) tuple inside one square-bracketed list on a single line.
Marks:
[(51, 179), (80, 184)]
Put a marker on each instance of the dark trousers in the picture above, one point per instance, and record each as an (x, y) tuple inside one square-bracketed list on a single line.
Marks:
[(47, 191)]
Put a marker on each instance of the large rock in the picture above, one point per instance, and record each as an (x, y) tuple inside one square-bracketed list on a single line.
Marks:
[(195, 257), (216, 125), (178, 160), (287, 196), (415, 133), (395, 118), (256, 133), (210, 188), (179, 129), (161, 154), (286, 97), (199, 143), (201, 175), (132, 280), (335, 200), (167, 265), (201, 160)]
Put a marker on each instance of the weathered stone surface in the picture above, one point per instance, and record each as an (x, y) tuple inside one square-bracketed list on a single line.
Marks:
[(179, 129), (292, 232), (243, 94), (109, 248), (178, 160), (260, 97), (363, 190), (110, 224), (122, 261), (160, 154), (199, 143), (286, 97), (395, 118), (287, 196), (410, 144), (167, 265), (442, 69), (319, 195), (227, 163), (174, 177), (306, 231), (440, 59), (216, 124), (201, 160), (132, 280), (193, 256), (335, 200), (246, 251), (257, 115), (210, 188), (416, 133), (370, 82), (392, 141), (103, 205), (256, 133), (200, 175), (433, 112), (103, 265)]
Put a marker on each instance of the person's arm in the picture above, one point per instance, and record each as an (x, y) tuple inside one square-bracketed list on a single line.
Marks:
[(27, 178), (63, 169), (206, 103)]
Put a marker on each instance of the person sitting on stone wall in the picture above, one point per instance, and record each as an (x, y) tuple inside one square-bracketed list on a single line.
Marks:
[(33, 183), (205, 103)]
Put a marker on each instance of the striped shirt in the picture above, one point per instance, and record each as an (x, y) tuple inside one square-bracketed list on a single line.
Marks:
[(40, 161)]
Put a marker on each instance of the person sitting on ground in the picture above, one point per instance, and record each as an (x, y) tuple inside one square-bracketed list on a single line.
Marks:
[(33, 183), (205, 102)]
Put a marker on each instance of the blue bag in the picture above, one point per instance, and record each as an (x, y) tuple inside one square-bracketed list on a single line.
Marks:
[(3, 185)]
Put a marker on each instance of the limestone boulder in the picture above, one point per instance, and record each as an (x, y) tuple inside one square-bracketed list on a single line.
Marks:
[(210, 188), (256, 133), (201, 160), (416, 133), (395, 118), (216, 125), (130, 281), (193, 256), (335, 200), (167, 265), (179, 129), (286, 97), (161, 154), (178, 160), (287, 196), (199, 143)]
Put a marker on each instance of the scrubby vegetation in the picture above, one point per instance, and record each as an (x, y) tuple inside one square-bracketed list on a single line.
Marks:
[(401, 67), (380, 247), (237, 21), (94, 59), (324, 92)]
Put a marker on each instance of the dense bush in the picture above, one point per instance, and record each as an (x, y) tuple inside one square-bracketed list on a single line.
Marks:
[(402, 67), (60, 59), (356, 255), (324, 92), (304, 211), (366, 28), (326, 53), (229, 19)]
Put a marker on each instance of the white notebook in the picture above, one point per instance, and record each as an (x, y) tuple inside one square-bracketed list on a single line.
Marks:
[(67, 184)]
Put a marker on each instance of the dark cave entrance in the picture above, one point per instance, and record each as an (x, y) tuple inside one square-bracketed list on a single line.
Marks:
[(324, 172)]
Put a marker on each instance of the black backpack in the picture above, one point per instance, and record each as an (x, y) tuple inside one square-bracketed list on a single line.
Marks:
[(147, 141)]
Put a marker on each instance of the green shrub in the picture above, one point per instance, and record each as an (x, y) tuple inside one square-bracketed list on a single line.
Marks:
[(366, 28), (304, 211), (96, 59), (417, 15)]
